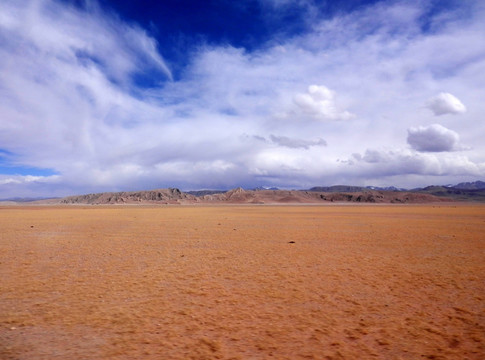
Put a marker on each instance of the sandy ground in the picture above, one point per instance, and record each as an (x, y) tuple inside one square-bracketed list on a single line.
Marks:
[(242, 282)]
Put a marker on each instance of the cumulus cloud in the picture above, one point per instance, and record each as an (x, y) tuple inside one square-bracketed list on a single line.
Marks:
[(319, 102), (433, 138), (445, 103)]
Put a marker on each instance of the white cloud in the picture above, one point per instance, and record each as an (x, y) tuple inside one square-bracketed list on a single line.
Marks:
[(283, 141), (319, 102), (30, 186), (433, 138), (445, 103), (296, 143), (67, 81), (21, 179), (69, 103), (386, 163)]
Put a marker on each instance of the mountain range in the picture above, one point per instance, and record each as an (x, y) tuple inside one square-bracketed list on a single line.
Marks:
[(466, 191), (473, 191)]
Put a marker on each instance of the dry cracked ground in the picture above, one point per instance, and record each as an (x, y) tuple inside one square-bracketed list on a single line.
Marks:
[(242, 282)]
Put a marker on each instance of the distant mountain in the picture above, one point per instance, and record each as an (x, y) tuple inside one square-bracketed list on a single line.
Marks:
[(476, 185), (387, 188), (241, 196), (468, 191), (26, 199), (200, 193), (338, 188), (350, 188), (455, 193), (259, 188), (205, 192)]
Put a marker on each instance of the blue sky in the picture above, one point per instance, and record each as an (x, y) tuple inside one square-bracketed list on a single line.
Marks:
[(127, 95)]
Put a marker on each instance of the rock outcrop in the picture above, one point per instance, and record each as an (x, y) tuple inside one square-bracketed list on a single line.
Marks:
[(159, 196), (241, 196)]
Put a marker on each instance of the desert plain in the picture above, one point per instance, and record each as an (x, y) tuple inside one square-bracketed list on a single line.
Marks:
[(242, 282)]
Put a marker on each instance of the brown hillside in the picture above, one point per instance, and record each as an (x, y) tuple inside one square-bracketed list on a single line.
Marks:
[(163, 196), (241, 196)]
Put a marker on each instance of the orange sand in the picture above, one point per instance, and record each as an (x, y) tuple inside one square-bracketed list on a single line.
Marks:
[(359, 282)]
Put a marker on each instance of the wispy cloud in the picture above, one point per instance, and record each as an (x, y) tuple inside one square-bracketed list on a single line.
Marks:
[(296, 143)]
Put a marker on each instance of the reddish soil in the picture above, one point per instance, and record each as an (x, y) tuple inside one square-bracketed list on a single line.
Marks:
[(243, 282)]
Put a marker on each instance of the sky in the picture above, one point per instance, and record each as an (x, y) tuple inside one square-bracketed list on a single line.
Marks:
[(130, 95)]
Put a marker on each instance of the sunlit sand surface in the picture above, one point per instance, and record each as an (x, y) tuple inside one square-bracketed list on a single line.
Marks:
[(242, 282)]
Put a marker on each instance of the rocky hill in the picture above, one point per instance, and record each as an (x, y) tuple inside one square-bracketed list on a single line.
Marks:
[(476, 185), (454, 193), (241, 196), (159, 196)]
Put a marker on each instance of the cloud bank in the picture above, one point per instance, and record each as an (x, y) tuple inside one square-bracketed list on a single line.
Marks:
[(433, 138), (91, 99)]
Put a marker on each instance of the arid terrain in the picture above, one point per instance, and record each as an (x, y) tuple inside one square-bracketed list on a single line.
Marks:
[(242, 282), (241, 196)]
